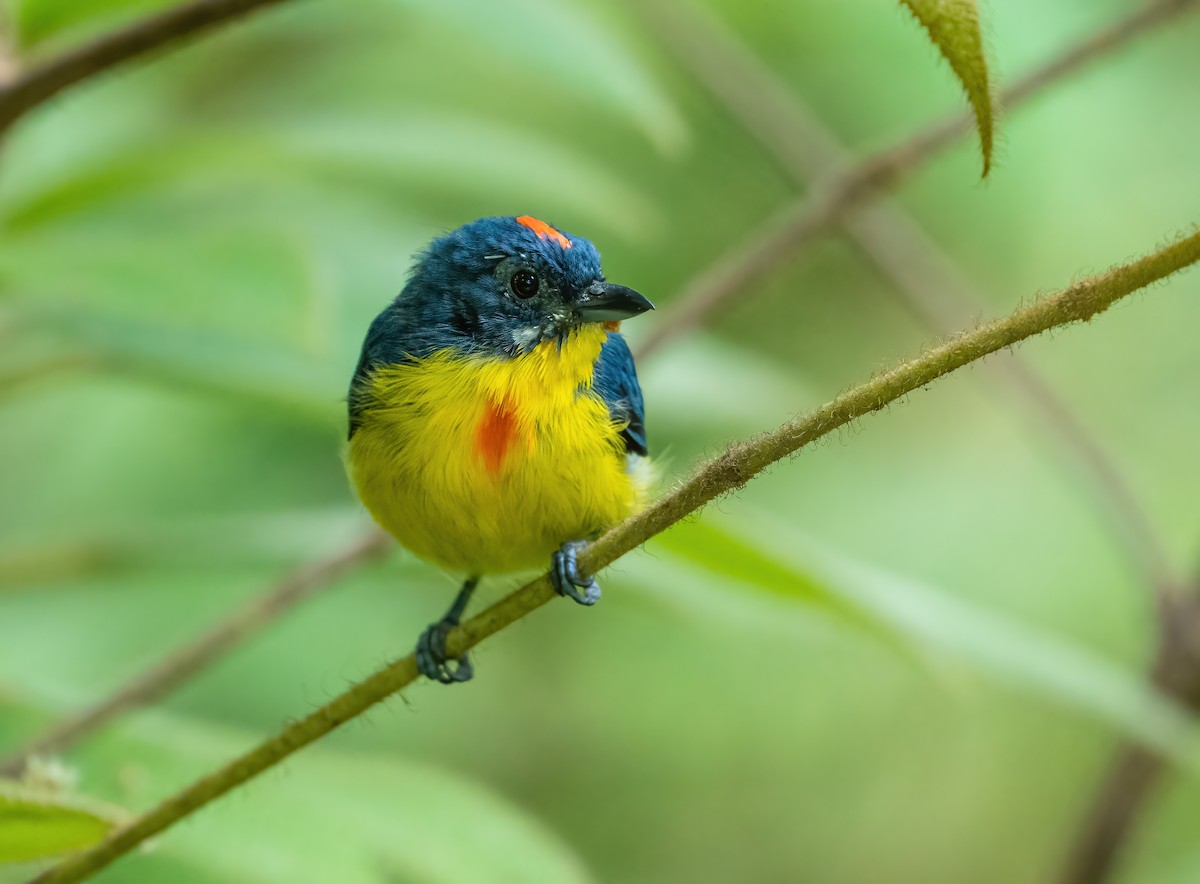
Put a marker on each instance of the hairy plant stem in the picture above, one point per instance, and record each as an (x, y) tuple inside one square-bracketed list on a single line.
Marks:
[(1136, 772), (38, 84), (723, 474)]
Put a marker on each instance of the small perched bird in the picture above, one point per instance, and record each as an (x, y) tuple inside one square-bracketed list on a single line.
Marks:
[(495, 415)]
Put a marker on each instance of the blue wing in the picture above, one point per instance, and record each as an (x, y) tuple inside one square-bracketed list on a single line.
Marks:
[(616, 382), (376, 350)]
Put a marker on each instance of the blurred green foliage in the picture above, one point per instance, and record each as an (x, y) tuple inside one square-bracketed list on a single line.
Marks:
[(42, 823), (904, 656)]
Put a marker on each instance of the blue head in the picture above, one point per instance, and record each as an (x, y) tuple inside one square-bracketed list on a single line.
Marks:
[(499, 286)]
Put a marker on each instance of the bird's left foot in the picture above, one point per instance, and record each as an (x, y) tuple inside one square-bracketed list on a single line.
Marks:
[(564, 575)]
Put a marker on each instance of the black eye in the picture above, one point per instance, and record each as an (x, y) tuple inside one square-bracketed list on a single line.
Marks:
[(524, 284)]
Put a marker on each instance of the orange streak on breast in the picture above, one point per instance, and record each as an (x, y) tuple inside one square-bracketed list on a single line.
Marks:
[(544, 230), (495, 435), (614, 326)]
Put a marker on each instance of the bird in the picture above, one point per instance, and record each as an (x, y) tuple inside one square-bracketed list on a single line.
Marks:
[(496, 422)]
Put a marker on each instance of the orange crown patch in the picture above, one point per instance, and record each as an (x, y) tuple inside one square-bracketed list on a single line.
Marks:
[(544, 230)]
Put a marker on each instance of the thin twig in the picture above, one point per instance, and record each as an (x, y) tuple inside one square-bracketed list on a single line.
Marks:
[(721, 475), (714, 288), (42, 82), (931, 286), (186, 661), (1113, 814), (1136, 772)]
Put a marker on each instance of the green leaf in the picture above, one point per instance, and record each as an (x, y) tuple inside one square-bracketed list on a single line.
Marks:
[(355, 817), (290, 379), (37, 21), (738, 559), (759, 551), (953, 26), (303, 161), (566, 45), (35, 824)]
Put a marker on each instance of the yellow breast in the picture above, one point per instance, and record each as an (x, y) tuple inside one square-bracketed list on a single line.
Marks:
[(488, 465)]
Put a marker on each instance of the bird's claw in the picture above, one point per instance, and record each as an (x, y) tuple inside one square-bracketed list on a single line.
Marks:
[(564, 575), (432, 661)]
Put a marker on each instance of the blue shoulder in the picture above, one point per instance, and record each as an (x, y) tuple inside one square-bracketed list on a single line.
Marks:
[(387, 343), (617, 383)]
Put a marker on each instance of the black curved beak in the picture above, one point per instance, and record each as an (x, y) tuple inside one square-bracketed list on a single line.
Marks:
[(605, 302)]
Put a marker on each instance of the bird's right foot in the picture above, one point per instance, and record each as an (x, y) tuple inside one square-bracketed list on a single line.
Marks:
[(432, 660)]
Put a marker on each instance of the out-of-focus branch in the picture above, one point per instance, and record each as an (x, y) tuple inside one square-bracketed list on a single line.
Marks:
[(183, 663), (714, 288), (1113, 815), (931, 286), (38, 84), (725, 473), (9, 66), (1130, 784), (935, 290)]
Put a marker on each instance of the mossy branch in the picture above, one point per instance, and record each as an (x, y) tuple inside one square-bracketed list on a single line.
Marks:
[(721, 475), (42, 82)]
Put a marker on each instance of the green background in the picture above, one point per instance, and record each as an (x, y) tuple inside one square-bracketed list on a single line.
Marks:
[(904, 656)]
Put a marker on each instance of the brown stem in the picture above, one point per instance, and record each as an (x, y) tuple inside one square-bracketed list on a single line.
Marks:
[(1130, 784), (1114, 814), (183, 663), (713, 288), (727, 472), (40, 83)]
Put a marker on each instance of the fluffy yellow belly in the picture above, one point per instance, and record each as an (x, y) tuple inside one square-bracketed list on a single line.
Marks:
[(488, 465)]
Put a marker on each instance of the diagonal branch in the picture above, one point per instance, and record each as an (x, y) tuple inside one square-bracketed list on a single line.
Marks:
[(713, 289), (40, 83), (931, 286), (1136, 772), (721, 475), (189, 659)]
